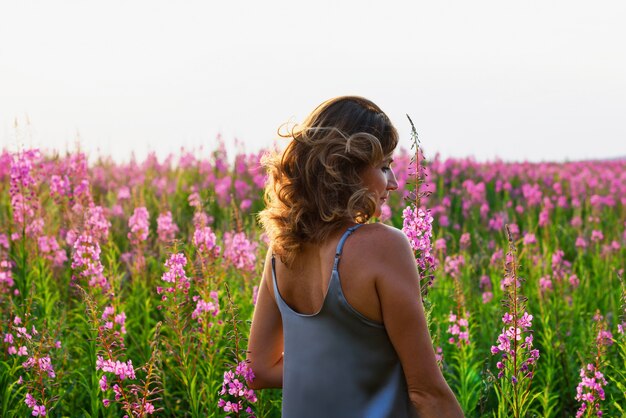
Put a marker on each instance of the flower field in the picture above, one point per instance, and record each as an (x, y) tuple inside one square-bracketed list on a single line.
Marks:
[(129, 289)]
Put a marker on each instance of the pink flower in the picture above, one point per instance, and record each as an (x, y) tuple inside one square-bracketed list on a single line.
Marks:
[(206, 242), (529, 239), (385, 213), (239, 251), (545, 283), (417, 225), (487, 297), (596, 236), (176, 270), (440, 244), (590, 390), (166, 228), (86, 262), (212, 307), (139, 225), (149, 408), (123, 193), (39, 410), (465, 241), (459, 329), (96, 223), (194, 200), (30, 401), (236, 389), (45, 365)]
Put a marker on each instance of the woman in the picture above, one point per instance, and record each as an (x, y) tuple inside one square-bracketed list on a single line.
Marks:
[(339, 323)]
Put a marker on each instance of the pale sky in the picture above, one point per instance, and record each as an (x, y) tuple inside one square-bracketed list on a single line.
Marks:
[(536, 80)]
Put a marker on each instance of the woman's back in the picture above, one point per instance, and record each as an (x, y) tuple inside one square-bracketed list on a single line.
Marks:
[(304, 285), (337, 361)]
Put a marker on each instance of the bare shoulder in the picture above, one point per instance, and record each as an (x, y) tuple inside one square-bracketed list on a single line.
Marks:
[(382, 241), (380, 251)]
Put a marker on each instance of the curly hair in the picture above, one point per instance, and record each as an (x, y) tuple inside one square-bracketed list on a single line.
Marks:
[(314, 186)]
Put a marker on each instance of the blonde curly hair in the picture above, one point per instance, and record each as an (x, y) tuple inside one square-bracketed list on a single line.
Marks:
[(314, 186)]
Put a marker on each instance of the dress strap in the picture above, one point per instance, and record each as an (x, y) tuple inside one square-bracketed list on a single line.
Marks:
[(274, 284), (342, 241)]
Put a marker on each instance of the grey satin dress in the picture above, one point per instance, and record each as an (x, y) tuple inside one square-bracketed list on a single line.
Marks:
[(337, 363)]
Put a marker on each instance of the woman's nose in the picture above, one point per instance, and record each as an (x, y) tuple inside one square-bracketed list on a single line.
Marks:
[(392, 182)]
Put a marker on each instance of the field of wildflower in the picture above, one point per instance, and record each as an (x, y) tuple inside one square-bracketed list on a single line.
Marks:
[(128, 289)]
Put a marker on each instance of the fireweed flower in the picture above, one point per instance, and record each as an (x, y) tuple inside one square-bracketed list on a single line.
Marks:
[(235, 390), (417, 225), (385, 214), (211, 307), (86, 262), (123, 370), (239, 251), (166, 228), (453, 264), (545, 284), (561, 268), (205, 242), (23, 183), (50, 249), (222, 189), (6, 276), (458, 329), (596, 236), (31, 402), (123, 193), (139, 226), (34, 228), (201, 219), (516, 357), (38, 369), (96, 223), (465, 241), (486, 287), (111, 319), (4, 241), (241, 189), (176, 275), (195, 201), (532, 194), (496, 257), (529, 239), (514, 346), (590, 391), (60, 186)]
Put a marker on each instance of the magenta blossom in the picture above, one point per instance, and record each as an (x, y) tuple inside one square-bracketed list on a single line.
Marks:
[(166, 228), (417, 225), (139, 225), (239, 251)]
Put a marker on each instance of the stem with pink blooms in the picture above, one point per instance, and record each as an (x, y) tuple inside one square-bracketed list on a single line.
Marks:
[(136, 399), (417, 222), (517, 359), (235, 396), (590, 390), (38, 370)]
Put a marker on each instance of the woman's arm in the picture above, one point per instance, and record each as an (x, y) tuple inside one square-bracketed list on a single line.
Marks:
[(397, 284), (265, 345)]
